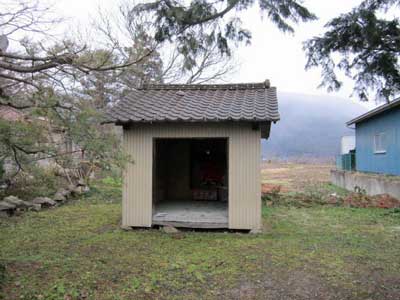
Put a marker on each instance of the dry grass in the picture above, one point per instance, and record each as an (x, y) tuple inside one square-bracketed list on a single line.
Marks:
[(294, 177)]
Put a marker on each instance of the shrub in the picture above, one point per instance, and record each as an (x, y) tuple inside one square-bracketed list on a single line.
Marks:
[(37, 182), (272, 196), (112, 181)]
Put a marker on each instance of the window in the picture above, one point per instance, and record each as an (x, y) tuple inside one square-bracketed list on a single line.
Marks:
[(379, 143)]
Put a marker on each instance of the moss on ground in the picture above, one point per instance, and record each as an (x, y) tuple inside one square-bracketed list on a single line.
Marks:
[(77, 251)]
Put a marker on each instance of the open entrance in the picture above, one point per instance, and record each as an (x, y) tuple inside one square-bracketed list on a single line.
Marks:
[(190, 182)]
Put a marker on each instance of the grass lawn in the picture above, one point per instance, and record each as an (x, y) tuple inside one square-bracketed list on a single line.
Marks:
[(77, 251)]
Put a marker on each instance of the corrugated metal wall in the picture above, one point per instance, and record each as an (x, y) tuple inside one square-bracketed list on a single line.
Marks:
[(244, 170), (387, 123)]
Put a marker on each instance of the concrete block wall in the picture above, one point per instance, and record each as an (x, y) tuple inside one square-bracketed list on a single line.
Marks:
[(373, 184)]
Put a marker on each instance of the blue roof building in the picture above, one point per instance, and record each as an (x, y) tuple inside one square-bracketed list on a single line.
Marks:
[(378, 139)]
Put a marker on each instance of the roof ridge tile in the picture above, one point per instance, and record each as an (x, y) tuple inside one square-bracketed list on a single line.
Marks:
[(228, 86)]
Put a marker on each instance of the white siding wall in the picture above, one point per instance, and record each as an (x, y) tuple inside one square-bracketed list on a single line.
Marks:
[(348, 143), (244, 170)]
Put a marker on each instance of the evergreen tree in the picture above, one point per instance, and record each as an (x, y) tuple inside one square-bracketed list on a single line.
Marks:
[(368, 44)]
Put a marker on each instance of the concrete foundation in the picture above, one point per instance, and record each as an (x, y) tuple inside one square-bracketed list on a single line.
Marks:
[(373, 184), (192, 214)]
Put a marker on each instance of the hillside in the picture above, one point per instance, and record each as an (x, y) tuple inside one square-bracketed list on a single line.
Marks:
[(310, 127)]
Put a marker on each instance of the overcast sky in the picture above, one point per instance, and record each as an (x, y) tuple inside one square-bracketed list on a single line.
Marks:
[(272, 54)]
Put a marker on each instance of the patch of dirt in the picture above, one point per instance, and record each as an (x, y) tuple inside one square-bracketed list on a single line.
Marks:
[(22, 267), (379, 201), (385, 288), (305, 285), (288, 285), (267, 188), (105, 228), (15, 270), (374, 285)]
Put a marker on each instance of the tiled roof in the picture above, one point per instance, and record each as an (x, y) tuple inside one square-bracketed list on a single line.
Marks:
[(255, 102)]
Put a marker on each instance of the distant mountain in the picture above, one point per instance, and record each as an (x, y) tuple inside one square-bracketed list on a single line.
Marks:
[(310, 127)]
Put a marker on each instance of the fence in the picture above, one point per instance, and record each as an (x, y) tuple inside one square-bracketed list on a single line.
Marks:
[(346, 161)]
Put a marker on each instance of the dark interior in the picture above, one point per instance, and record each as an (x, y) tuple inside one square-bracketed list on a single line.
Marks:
[(190, 170)]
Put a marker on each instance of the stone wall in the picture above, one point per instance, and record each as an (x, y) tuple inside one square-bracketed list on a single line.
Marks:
[(373, 184)]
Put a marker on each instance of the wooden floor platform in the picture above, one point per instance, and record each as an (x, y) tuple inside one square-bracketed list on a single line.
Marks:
[(191, 214)]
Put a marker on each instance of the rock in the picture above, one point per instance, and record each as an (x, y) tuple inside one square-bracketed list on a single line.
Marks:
[(12, 199), (5, 206), (44, 201), (71, 190), (78, 190), (126, 228), (63, 192), (35, 207), (170, 229), (17, 202), (71, 187), (58, 197), (4, 214), (75, 190), (6, 209), (255, 231)]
